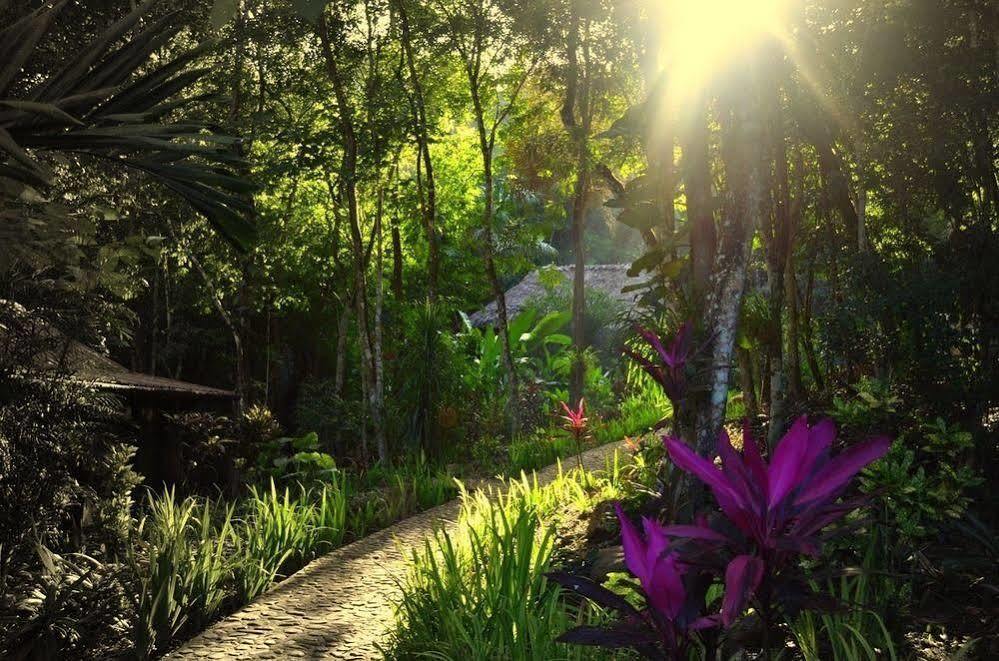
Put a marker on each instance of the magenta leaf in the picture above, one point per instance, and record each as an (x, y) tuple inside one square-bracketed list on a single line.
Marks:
[(840, 470), (786, 464), (742, 577)]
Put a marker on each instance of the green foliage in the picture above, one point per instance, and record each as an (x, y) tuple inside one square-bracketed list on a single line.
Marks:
[(74, 608), (870, 407), (181, 561), (319, 409), (926, 479), (430, 402), (480, 592), (296, 459), (856, 632), (66, 482), (540, 448), (103, 100)]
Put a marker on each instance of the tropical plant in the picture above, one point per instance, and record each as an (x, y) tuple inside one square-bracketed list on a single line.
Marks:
[(529, 337), (773, 514), (926, 479), (104, 104), (671, 374), (675, 594), (481, 592), (856, 630), (871, 404), (576, 424), (181, 561)]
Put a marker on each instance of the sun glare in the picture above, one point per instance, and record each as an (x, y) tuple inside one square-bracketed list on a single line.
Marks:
[(703, 36)]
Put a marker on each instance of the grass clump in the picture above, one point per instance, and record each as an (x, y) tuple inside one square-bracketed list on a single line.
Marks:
[(480, 592)]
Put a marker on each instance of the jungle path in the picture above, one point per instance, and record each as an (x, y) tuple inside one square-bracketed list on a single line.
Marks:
[(339, 606)]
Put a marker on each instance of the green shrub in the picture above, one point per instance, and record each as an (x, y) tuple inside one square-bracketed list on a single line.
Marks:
[(537, 450), (871, 406), (66, 483), (481, 592), (926, 478)]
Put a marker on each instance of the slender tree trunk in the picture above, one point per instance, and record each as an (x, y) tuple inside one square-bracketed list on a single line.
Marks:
[(577, 101), (348, 185), (793, 362), (697, 190), (747, 381), (777, 249), (742, 137), (396, 259), (813, 362), (428, 191), (486, 147), (378, 400)]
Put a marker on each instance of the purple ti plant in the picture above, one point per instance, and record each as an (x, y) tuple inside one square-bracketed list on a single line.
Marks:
[(671, 374), (777, 510), (674, 594)]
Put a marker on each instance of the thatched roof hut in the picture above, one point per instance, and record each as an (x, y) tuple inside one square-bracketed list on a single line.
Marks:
[(40, 349), (610, 279)]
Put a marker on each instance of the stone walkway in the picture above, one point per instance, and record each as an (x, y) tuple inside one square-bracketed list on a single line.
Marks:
[(340, 605)]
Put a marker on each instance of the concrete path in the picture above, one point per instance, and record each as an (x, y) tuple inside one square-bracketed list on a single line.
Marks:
[(340, 605)]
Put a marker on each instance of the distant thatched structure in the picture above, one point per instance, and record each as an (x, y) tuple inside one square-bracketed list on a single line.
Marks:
[(610, 279), (39, 349)]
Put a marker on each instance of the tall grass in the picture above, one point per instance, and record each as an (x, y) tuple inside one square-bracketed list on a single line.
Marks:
[(856, 633), (481, 592), (182, 566), (195, 558)]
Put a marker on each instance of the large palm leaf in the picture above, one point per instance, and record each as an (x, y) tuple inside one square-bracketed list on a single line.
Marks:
[(98, 104)]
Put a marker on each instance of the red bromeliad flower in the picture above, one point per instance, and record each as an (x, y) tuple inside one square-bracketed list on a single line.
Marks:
[(576, 424), (779, 508), (575, 419), (671, 374)]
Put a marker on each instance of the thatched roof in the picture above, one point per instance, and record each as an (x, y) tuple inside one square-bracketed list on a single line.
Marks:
[(77, 362), (608, 278)]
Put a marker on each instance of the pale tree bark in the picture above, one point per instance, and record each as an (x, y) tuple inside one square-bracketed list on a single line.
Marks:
[(777, 246), (742, 126)]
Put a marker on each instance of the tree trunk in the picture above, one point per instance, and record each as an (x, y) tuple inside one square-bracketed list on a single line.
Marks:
[(697, 190), (747, 381), (348, 185), (486, 146), (427, 187), (793, 362), (396, 260), (813, 362), (742, 136), (777, 249), (577, 102), (378, 399)]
